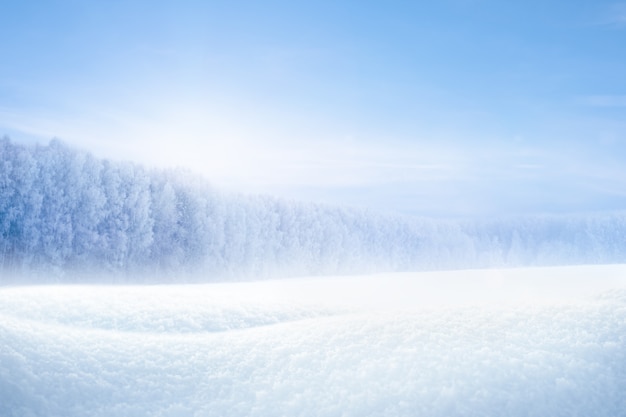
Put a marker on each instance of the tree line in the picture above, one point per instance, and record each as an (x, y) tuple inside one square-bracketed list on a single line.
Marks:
[(67, 215)]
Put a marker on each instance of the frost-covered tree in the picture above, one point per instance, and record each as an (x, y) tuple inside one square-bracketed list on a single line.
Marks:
[(64, 211), (20, 206)]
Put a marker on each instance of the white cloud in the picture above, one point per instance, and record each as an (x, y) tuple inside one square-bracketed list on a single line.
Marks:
[(614, 16), (619, 13), (604, 100)]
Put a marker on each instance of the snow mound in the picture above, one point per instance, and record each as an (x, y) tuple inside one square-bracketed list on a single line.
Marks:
[(149, 309), (529, 342)]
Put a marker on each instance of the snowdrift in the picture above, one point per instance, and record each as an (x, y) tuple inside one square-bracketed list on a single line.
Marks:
[(64, 213), (525, 342)]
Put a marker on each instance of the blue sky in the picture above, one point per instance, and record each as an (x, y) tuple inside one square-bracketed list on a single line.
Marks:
[(455, 107)]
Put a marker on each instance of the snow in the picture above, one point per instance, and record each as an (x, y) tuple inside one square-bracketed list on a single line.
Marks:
[(514, 342)]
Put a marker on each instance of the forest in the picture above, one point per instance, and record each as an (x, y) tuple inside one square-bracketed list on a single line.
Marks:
[(66, 215)]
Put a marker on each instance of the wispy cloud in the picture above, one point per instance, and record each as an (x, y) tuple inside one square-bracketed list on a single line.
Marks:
[(614, 16), (619, 13), (604, 100)]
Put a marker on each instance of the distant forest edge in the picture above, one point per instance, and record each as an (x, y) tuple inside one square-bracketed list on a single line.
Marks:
[(66, 215)]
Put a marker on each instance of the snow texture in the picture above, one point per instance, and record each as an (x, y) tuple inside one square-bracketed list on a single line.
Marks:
[(525, 342), (64, 213)]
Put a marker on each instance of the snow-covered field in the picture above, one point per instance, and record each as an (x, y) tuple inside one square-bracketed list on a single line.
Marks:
[(518, 342)]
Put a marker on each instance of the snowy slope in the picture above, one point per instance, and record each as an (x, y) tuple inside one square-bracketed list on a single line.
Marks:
[(519, 342)]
